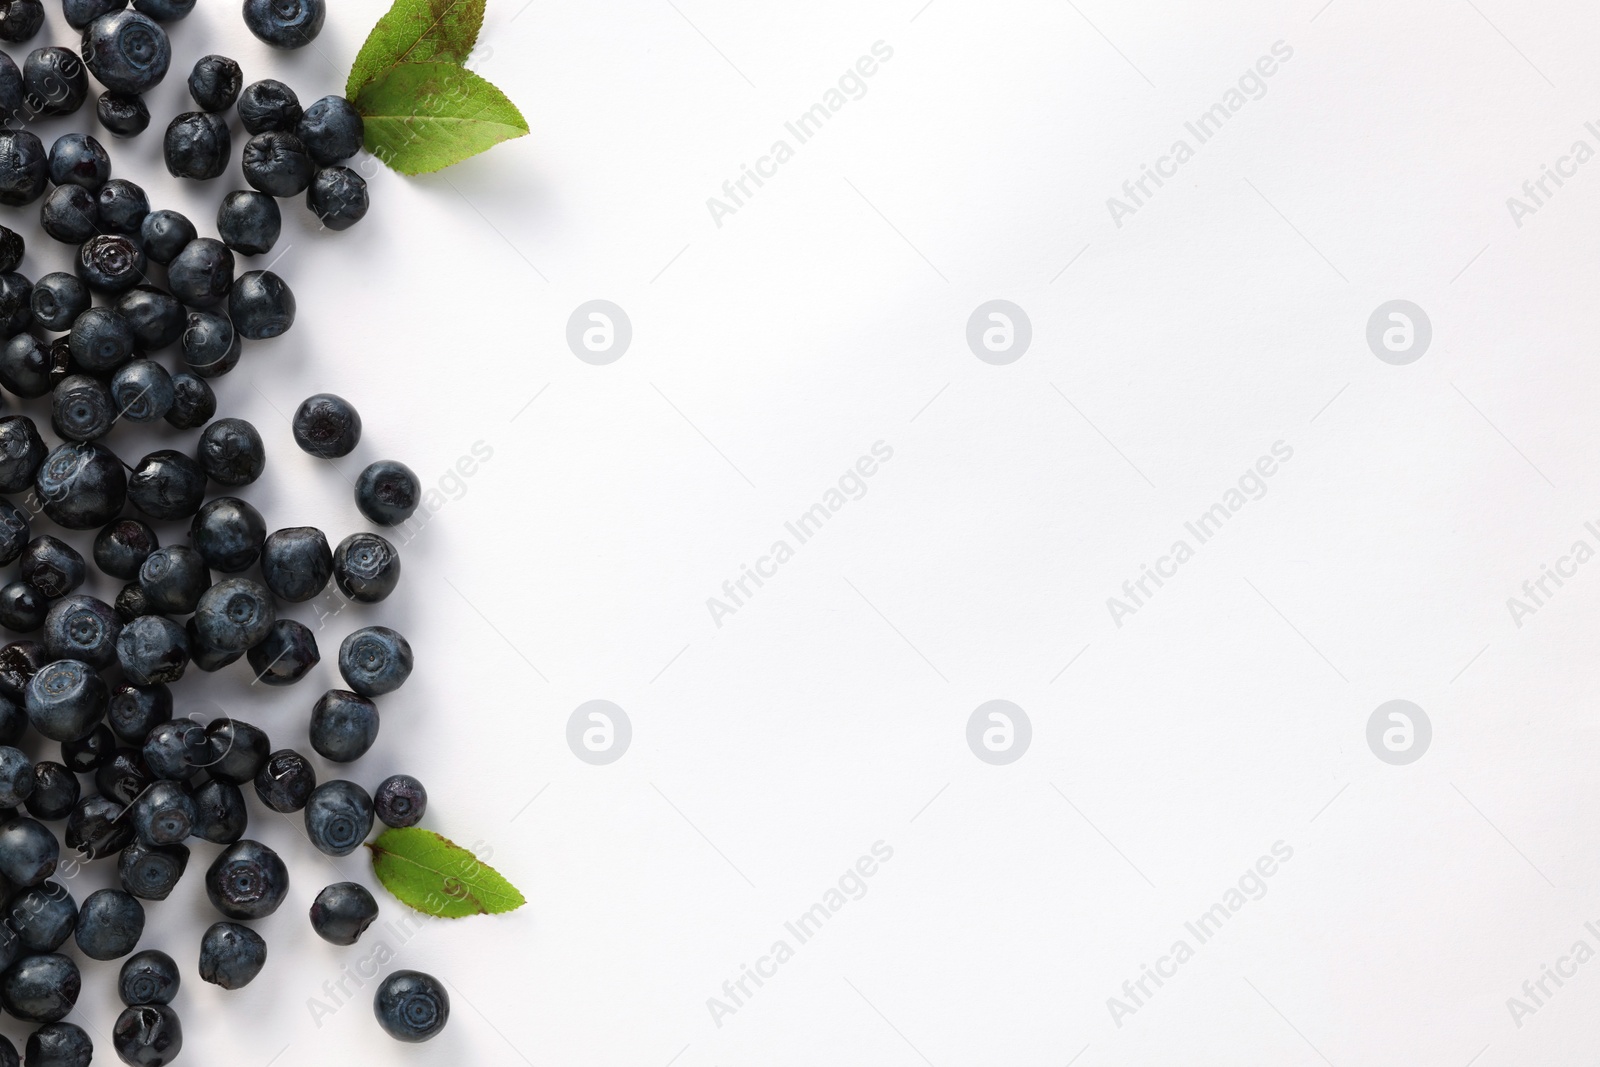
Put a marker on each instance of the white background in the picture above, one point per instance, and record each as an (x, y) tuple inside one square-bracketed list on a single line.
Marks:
[(829, 712)]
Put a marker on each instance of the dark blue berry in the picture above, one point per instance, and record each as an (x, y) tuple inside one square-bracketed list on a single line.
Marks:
[(238, 750), (19, 662), (79, 159), (285, 655), (41, 988), (247, 881), (203, 656), (228, 533), (149, 976), (109, 925), (81, 408), (296, 563), (211, 348), (153, 649), (70, 214), (163, 814), (388, 492), (59, 1045), (193, 402), (167, 485), (232, 453), (122, 114), (126, 51), (22, 607), (331, 130), (53, 81), (173, 578), (90, 752), (337, 196), (28, 853), (175, 749), (148, 1035), (235, 614), (366, 567), (16, 311), (197, 145), (43, 916), (110, 263), (342, 912), (24, 167), (20, 19), (11, 91), (55, 791), (58, 298), (343, 725), (220, 814), (260, 305), (81, 486), (98, 828), (231, 955), (285, 23), (326, 425), (338, 817), (285, 781), (249, 222), (400, 801), (22, 450), (375, 660), (79, 13), (52, 566), (101, 340), (124, 776), (215, 81), (123, 206), (82, 628), (122, 546), (165, 10), (202, 273), (411, 1006), (142, 391), (164, 234), (157, 317), (275, 162), (267, 106), (16, 776), (65, 699), (25, 366), (135, 710)]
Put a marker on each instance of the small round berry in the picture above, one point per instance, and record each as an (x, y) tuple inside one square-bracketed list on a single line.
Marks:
[(375, 661), (21, 452), (400, 801), (231, 955), (110, 263), (338, 817), (173, 578), (122, 546), (123, 206), (28, 855), (231, 452), (337, 196), (285, 655), (228, 533), (126, 51), (202, 655), (277, 163), (164, 234), (81, 486), (167, 485), (137, 709), (202, 273), (65, 699), (81, 408), (175, 749), (220, 815), (285, 781), (366, 567), (109, 925), (261, 305), (211, 348), (238, 750), (122, 114), (296, 563), (163, 814), (57, 299), (20, 19), (152, 650), (79, 13), (22, 607), (55, 791), (388, 492), (16, 777), (70, 214), (411, 1006), (148, 977), (249, 222), (235, 614), (343, 726), (25, 363), (193, 402), (101, 340), (156, 317), (147, 1035), (197, 145), (43, 916), (331, 130), (98, 828), (327, 425), (79, 159), (247, 881), (24, 167), (90, 752), (342, 912), (267, 106), (142, 391), (52, 566), (41, 988), (124, 776), (83, 628), (285, 23), (215, 82), (54, 79)]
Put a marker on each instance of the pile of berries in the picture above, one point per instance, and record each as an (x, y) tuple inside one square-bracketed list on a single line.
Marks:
[(94, 678)]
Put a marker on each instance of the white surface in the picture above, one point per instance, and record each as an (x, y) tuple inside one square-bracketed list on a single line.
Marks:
[(830, 712)]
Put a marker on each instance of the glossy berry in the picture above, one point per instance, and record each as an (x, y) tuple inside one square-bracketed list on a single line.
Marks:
[(164, 234), (124, 776), (285, 655), (338, 817), (247, 881), (326, 425), (411, 1006), (54, 80), (123, 206), (387, 492), (296, 563), (55, 791), (58, 298), (231, 955), (202, 273), (79, 159), (366, 567), (238, 750), (214, 83), (43, 916), (41, 988), (331, 130), (152, 650), (268, 105), (375, 660), (65, 699), (59, 1044), (20, 19), (89, 753), (343, 725), (16, 776), (400, 801), (19, 662), (197, 145), (163, 814), (81, 408), (122, 114), (82, 628), (285, 23), (126, 51), (148, 977), (70, 214), (203, 656), (28, 853), (249, 222), (22, 607), (167, 485), (79, 13), (135, 710), (277, 163), (122, 546), (232, 453), (101, 340), (156, 316), (261, 305), (286, 781), (193, 402), (220, 814), (109, 924), (342, 912), (16, 314), (235, 614), (152, 872), (147, 1035), (25, 365), (211, 347), (52, 566), (142, 391), (173, 577), (98, 828), (24, 167), (81, 486), (228, 533), (175, 749), (110, 263), (337, 196)]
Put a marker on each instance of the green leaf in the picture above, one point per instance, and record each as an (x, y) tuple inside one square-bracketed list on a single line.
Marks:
[(422, 117), (417, 31), (435, 875)]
